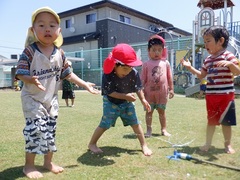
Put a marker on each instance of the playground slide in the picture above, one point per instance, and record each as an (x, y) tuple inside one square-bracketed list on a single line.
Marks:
[(192, 90)]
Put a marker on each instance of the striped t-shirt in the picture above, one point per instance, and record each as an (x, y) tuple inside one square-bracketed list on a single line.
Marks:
[(219, 79)]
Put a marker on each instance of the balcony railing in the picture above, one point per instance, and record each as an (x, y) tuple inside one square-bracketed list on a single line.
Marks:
[(234, 29)]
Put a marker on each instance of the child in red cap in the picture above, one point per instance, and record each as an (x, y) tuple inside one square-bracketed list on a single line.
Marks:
[(157, 82), (119, 83)]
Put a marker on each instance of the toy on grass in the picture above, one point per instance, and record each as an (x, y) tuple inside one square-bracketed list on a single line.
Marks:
[(178, 155)]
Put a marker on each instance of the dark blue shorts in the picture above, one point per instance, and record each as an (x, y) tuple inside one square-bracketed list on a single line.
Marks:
[(68, 95), (203, 87)]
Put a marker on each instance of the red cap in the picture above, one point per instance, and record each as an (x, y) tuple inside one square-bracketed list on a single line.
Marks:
[(164, 52), (121, 53)]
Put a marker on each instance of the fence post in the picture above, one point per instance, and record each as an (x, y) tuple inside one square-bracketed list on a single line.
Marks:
[(13, 72), (82, 62), (101, 63)]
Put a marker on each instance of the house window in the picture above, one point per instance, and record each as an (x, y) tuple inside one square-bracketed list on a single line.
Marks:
[(68, 23), (125, 19), (90, 18)]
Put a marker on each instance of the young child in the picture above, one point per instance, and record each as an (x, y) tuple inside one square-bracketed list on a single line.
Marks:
[(157, 81), (40, 67), (16, 85), (119, 83), (68, 90), (203, 86), (219, 68)]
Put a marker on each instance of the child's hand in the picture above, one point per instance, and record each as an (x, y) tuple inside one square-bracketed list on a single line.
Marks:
[(34, 80), (91, 89), (224, 63), (67, 64), (171, 94), (130, 97), (146, 105), (185, 63)]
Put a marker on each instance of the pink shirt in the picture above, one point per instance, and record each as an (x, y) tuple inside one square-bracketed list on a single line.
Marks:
[(156, 77)]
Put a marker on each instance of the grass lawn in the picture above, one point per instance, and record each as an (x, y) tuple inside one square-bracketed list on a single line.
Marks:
[(122, 157)]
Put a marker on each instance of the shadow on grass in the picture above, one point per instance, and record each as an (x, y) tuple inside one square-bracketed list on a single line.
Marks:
[(133, 136), (16, 172), (210, 155), (64, 106), (104, 159), (12, 173)]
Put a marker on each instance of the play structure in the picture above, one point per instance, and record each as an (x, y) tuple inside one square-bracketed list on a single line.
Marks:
[(196, 54)]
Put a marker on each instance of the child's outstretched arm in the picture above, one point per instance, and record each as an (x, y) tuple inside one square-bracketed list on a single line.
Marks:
[(87, 85), (143, 100), (194, 71), (31, 80)]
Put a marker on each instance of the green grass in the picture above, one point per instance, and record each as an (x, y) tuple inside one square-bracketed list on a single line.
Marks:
[(122, 157)]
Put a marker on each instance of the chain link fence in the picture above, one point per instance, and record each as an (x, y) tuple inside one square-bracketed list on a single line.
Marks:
[(90, 69)]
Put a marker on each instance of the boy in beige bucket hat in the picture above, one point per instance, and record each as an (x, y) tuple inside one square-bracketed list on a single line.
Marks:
[(41, 67), (31, 34)]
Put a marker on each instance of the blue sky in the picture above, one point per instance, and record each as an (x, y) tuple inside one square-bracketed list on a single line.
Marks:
[(16, 16)]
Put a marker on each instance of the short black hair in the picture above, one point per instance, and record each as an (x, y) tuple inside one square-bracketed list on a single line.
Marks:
[(120, 64), (155, 41), (218, 32)]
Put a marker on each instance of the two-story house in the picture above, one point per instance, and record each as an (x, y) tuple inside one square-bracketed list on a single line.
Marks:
[(106, 23)]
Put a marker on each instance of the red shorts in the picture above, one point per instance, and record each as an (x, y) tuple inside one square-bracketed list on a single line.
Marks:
[(221, 109)]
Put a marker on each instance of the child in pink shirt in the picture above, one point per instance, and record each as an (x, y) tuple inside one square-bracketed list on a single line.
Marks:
[(157, 82)]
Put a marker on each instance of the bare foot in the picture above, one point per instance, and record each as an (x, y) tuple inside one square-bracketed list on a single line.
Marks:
[(206, 147), (146, 151), (229, 150), (93, 148), (53, 168), (165, 133), (31, 172), (147, 135), (149, 132)]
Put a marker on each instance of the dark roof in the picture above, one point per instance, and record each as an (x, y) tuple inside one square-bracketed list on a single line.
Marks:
[(117, 6), (77, 38), (180, 31), (214, 4)]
